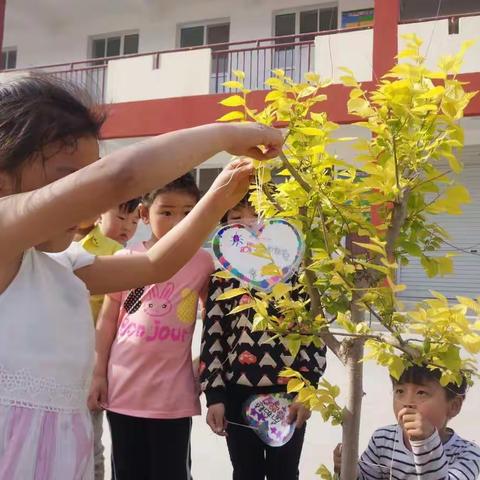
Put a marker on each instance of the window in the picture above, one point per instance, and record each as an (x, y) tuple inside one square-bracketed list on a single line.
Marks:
[(306, 21), (295, 59), (208, 34), (114, 45), (198, 35), (414, 9), (206, 176), (9, 59)]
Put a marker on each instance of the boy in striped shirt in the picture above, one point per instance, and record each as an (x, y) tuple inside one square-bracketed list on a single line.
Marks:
[(420, 445)]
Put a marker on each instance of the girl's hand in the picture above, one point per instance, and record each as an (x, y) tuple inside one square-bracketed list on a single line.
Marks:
[(232, 184), (97, 397), (216, 419), (337, 459), (245, 139), (415, 425), (299, 414)]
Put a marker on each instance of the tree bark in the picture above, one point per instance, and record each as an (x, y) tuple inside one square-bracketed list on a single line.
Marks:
[(352, 410)]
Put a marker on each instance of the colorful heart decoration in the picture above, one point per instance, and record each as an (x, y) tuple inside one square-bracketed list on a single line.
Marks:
[(260, 256), (267, 414)]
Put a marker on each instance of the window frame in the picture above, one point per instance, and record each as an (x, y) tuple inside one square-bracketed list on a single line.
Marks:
[(7, 51), (205, 24), (304, 8), (105, 36)]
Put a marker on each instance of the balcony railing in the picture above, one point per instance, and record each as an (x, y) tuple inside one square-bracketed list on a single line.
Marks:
[(257, 58)]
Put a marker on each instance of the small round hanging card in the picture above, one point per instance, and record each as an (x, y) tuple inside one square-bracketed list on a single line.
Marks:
[(262, 255), (267, 415)]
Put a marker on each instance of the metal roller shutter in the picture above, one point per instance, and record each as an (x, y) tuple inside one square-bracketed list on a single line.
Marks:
[(464, 231)]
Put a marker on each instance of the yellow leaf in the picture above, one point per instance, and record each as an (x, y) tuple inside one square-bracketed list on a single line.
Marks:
[(234, 292), (275, 83), (232, 116), (270, 269), (310, 131), (295, 385), (471, 342), (233, 84), (239, 74), (372, 247), (223, 274), (273, 95), (425, 108), (233, 101), (242, 307)]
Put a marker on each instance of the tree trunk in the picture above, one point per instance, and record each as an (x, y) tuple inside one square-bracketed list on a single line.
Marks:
[(353, 408), (352, 411)]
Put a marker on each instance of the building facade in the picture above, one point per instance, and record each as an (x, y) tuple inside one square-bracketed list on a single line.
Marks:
[(160, 65)]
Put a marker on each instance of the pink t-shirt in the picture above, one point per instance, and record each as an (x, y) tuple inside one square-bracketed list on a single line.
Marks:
[(150, 371)]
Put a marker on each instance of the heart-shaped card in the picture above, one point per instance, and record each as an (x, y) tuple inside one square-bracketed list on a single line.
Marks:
[(260, 256), (267, 414)]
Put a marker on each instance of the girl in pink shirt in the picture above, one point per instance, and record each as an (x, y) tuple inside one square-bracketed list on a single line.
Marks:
[(144, 354)]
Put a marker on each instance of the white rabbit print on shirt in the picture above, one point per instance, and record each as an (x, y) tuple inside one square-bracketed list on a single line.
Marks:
[(151, 316)]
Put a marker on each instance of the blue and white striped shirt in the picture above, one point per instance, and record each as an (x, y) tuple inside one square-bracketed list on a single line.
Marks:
[(387, 457)]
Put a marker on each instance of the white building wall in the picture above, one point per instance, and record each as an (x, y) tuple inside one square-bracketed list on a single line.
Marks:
[(335, 51), (438, 42), (172, 78), (53, 31)]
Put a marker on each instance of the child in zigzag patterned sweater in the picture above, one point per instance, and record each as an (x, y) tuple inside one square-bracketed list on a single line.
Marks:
[(235, 363)]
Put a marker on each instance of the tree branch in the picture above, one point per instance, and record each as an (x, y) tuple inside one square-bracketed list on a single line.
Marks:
[(271, 199), (399, 215), (294, 173)]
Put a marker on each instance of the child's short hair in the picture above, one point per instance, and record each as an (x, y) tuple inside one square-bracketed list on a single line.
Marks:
[(130, 206), (244, 202), (419, 374), (38, 110), (185, 184)]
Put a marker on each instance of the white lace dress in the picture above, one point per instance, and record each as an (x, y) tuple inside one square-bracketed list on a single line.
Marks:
[(46, 359)]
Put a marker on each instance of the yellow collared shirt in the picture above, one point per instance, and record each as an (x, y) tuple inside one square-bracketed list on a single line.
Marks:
[(99, 245)]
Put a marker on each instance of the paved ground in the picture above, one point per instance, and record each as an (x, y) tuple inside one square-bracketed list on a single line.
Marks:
[(210, 456)]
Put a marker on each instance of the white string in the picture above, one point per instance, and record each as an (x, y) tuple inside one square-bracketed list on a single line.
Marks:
[(434, 28), (242, 425), (229, 180)]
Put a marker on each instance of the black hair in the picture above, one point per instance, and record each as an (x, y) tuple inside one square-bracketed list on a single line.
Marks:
[(244, 202), (419, 374), (37, 110), (185, 184), (130, 206)]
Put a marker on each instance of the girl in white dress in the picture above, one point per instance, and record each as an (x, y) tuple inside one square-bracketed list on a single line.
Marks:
[(50, 180)]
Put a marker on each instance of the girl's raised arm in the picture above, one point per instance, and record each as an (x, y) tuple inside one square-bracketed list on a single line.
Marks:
[(41, 206), (173, 250)]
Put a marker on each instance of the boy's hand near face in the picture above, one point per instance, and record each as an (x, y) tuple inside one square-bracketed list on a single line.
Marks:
[(415, 425)]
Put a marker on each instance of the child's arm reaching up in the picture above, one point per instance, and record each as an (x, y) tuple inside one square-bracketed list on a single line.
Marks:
[(61, 200), (173, 250)]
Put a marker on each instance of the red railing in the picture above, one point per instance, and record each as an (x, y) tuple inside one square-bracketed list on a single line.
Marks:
[(257, 58)]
